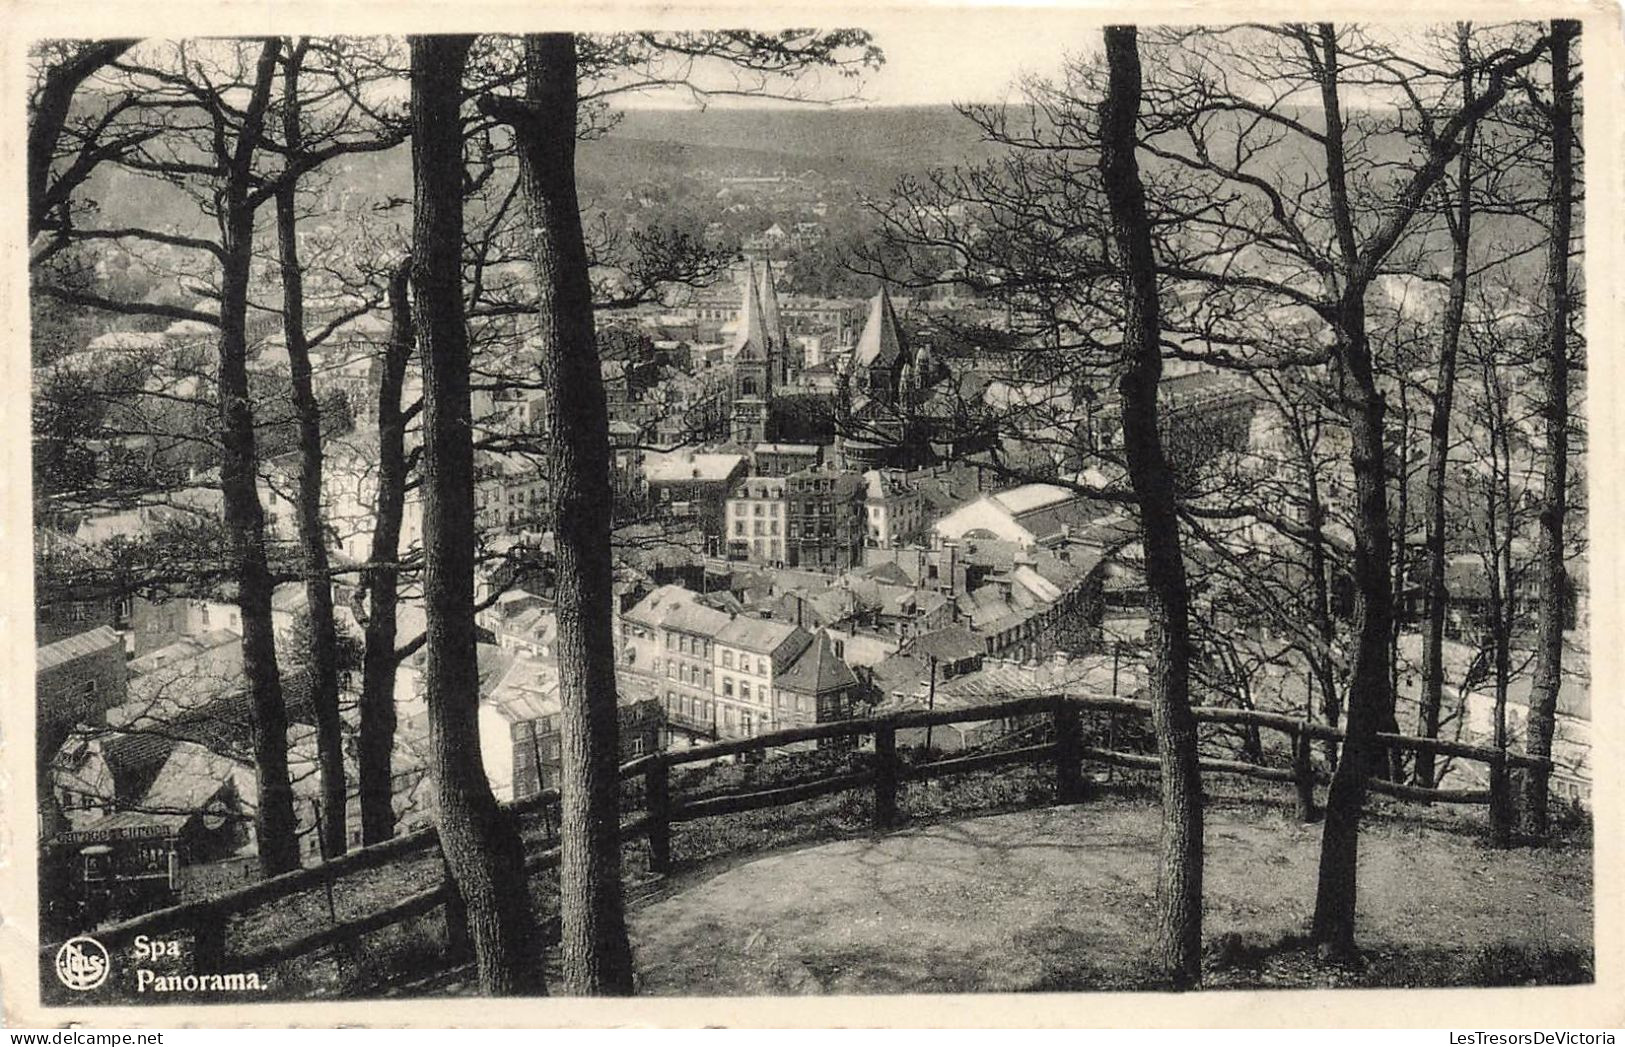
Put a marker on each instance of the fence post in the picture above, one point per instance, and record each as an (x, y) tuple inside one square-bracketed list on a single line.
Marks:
[(1068, 752), (657, 798), (1500, 802), (886, 775), (209, 942), (1111, 743), (1303, 772)]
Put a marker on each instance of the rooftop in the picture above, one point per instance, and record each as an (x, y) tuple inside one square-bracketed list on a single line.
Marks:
[(676, 466), (78, 646), (817, 670), (761, 635)]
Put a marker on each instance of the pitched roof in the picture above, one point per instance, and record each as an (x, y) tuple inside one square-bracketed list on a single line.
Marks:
[(817, 670), (77, 646), (1030, 497), (696, 618), (770, 301), (527, 689), (690, 465), (951, 643), (887, 572), (751, 341), (880, 345), (761, 635)]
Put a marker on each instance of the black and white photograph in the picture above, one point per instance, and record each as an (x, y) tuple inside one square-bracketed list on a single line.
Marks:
[(965, 501)]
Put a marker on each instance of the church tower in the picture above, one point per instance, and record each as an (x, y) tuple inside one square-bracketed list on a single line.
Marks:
[(785, 369), (878, 361), (753, 368)]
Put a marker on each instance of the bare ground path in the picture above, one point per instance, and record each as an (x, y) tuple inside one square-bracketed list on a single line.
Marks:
[(1060, 898)]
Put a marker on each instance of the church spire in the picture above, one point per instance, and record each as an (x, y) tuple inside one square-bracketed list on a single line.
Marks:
[(770, 304), (751, 330), (880, 345)]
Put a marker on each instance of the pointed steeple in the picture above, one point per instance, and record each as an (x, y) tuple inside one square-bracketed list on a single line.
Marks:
[(880, 346), (751, 341), (770, 304)]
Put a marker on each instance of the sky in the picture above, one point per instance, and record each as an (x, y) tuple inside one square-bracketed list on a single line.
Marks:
[(973, 55), (937, 58)]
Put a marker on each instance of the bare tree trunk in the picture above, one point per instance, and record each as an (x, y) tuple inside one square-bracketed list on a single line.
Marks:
[(1552, 576), (480, 841), (1331, 704), (1368, 678), (321, 660), (596, 956), (1497, 558), (1368, 683), (1179, 875), (48, 115), (376, 741), (1431, 698), (275, 826), (1393, 763)]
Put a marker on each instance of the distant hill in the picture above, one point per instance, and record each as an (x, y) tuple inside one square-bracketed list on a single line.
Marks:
[(876, 143)]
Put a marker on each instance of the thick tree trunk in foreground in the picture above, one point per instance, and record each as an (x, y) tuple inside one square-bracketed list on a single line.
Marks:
[(321, 660), (275, 826), (1179, 874), (1370, 699), (1369, 678), (597, 958), (480, 841), (1432, 697), (1554, 501), (376, 742)]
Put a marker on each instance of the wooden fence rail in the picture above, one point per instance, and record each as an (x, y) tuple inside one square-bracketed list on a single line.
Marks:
[(884, 773)]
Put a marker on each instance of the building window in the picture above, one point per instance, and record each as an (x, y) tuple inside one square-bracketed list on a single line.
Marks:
[(727, 687), (744, 691), (727, 659)]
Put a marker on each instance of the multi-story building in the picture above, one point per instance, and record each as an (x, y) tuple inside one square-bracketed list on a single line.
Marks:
[(817, 687), (750, 654), (77, 679), (825, 525), (894, 510), (538, 749), (510, 492), (780, 459), (756, 519), (667, 637), (693, 486)]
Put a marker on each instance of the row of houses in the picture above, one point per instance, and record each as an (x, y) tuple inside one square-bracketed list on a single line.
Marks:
[(723, 672)]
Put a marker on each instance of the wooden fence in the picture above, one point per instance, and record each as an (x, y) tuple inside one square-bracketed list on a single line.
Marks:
[(207, 921)]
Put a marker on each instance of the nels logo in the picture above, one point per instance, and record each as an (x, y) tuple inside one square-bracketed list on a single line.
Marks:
[(82, 963)]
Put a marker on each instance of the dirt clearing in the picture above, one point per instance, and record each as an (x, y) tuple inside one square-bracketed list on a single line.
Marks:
[(1061, 898)]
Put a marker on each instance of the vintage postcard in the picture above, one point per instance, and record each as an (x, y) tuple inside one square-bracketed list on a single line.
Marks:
[(812, 515)]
